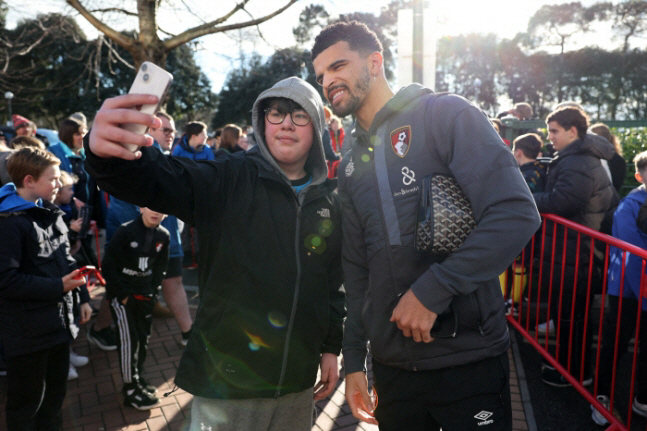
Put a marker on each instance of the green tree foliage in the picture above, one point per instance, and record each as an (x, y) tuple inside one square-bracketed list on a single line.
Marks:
[(57, 71), (243, 85)]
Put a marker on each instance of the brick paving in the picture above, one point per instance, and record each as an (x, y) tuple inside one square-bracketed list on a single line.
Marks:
[(94, 400)]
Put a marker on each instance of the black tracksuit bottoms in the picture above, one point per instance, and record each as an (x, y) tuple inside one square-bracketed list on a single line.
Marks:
[(134, 320), (36, 387), (471, 397)]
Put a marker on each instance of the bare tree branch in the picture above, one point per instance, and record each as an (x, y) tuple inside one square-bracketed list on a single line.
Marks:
[(123, 41), (212, 28), (114, 9)]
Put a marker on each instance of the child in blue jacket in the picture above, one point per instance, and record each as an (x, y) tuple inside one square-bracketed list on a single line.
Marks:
[(628, 286), (39, 291)]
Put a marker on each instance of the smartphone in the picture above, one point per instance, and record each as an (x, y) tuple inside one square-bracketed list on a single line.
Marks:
[(150, 79), (88, 269)]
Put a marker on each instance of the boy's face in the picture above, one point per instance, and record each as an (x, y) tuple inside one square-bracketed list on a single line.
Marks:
[(641, 177), (344, 76), (47, 184), (560, 137), (65, 194), (288, 143), (151, 218)]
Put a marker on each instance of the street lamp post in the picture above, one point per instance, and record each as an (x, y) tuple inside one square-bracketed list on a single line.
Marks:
[(477, 88), (9, 95)]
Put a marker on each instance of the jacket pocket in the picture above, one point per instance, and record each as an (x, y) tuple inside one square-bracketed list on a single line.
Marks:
[(44, 320)]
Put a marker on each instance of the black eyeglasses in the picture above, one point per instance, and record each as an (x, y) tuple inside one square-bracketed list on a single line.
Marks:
[(167, 131), (299, 116)]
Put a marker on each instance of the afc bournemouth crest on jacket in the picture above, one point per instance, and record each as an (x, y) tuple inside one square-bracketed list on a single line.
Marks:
[(401, 140)]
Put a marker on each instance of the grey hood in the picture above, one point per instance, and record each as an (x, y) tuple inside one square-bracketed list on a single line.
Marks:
[(304, 94)]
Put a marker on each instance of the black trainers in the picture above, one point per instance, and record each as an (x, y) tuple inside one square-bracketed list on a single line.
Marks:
[(140, 399), (185, 337), (143, 383), (104, 339), (552, 377)]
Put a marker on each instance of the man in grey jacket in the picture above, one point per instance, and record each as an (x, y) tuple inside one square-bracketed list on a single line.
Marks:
[(455, 376)]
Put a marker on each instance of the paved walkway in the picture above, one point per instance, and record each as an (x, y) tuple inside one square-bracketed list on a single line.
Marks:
[(94, 401)]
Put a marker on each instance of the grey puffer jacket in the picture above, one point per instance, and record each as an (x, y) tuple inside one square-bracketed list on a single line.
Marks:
[(417, 134)]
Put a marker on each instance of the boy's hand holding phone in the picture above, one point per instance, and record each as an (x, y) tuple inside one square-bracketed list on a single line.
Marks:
[(120, 125), (71, 281)]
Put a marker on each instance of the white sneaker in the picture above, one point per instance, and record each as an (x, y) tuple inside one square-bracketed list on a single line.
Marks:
[(78, 360), (72, 374), (596, 415), (541, 328), (638, 408)]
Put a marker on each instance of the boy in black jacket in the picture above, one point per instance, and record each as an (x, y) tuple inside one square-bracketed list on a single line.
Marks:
[(134, 267), (38, 292)]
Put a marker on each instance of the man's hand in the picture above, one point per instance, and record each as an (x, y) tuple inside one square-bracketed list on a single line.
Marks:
[(359, 401), (75, 225), (106, 137), (86, 312), (329, 376), (413, 318), (70, 282)]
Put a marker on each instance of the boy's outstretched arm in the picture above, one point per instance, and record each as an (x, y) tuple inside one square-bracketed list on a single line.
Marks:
[(107, 137)]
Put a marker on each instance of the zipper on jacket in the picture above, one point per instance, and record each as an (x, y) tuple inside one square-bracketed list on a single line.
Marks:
[(478, 313), (286, 349)]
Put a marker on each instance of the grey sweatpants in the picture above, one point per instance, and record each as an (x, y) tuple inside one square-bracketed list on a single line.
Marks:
[(291, 412)]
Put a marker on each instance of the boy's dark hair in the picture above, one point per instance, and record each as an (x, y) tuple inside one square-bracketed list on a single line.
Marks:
[(229, 137), (29, 161), (529, 144), (360, 38), (570, 116), (67, 129), (640, 161), (217, 133), (26, 141), (524, 109), (194, 128)]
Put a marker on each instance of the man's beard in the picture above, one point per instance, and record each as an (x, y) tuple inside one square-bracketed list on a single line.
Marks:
[(354, 101)]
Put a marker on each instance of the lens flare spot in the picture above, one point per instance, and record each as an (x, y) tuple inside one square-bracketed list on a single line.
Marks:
[(254, 347), (256, 341), (366, 158), (277, 319), (325, 227), (315, 243)]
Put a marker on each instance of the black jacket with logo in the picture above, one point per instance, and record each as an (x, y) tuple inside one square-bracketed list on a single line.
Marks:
[(269, 263), (35, 313), (135, 260)]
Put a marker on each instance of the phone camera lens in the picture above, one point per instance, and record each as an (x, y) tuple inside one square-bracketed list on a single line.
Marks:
[(145, 77), (144, 67)]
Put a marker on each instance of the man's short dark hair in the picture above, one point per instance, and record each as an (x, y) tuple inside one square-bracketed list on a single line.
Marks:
[(360, 38), (570, 116), (529, 144)]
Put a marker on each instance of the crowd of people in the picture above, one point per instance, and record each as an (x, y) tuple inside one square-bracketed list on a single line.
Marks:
[(284, 289)]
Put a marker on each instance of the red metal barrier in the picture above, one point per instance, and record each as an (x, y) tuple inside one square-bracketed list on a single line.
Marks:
[(561, 253)]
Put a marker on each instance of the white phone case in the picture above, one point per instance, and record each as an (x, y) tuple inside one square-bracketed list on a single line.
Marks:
[(150, 79)]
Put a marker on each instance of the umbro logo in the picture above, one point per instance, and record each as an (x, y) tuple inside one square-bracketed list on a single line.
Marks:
[(484, 418)]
